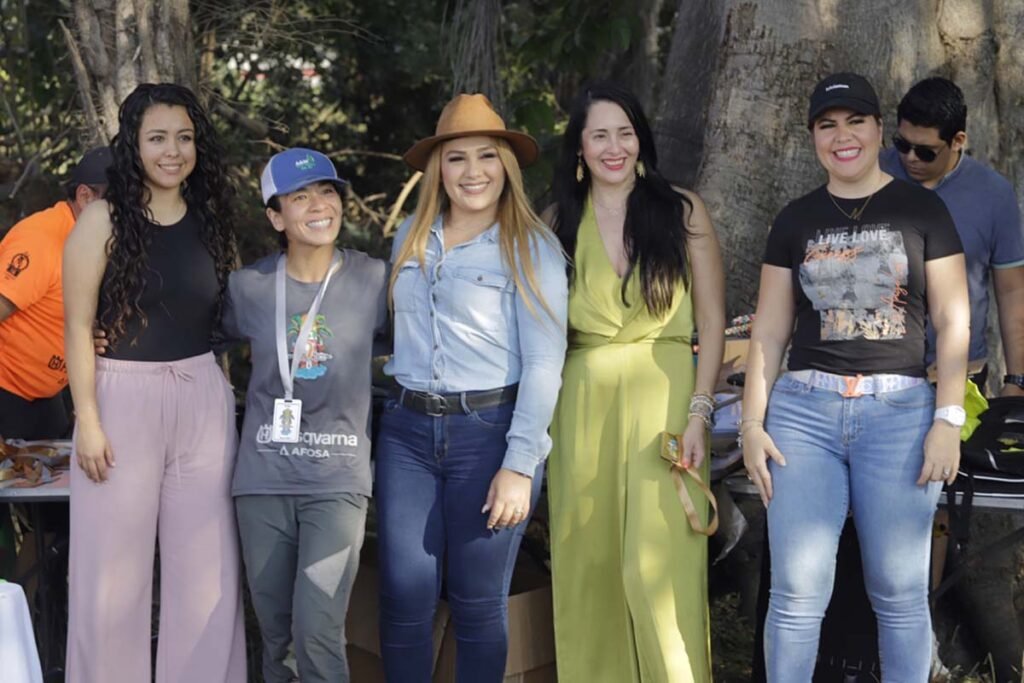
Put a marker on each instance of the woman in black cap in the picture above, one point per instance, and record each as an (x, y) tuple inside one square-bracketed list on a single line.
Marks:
[(853, 425)]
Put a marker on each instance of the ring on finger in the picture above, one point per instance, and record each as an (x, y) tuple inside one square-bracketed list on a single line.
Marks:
[(945, 472)]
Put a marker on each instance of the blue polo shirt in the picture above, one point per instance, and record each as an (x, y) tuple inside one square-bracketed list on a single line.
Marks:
[(984, 209)]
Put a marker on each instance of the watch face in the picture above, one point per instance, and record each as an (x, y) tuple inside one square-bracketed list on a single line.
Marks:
[(955, 415)]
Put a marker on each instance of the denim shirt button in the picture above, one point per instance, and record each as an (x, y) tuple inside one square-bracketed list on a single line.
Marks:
[(479, 278)]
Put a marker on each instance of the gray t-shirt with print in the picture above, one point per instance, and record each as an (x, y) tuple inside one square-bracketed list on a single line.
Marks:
[(333, 382)]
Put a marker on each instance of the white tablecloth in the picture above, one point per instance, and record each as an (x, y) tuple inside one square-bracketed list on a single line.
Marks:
[(19, 661)]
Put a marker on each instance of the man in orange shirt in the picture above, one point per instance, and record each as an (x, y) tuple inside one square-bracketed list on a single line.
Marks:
[(32, 372)]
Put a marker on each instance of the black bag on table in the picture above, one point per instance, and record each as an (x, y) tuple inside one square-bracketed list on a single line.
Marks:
[(991, 464)]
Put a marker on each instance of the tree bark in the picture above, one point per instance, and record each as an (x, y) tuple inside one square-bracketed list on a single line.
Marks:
[(123, 43), (638, 65)]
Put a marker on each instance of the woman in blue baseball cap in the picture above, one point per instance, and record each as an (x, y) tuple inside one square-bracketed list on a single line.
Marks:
[(850, 271), (302, 478)]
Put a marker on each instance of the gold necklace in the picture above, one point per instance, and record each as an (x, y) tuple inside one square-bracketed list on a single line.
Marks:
[(607, 208), (856, 214)]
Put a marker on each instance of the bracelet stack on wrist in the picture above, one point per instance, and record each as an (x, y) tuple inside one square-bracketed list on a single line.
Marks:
[(703, 406), (744, 424)]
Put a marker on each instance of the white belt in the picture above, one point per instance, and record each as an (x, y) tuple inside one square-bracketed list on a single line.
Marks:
[(851, 386)]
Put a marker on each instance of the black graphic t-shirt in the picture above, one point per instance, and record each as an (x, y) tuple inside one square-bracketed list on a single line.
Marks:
[(860, 285)]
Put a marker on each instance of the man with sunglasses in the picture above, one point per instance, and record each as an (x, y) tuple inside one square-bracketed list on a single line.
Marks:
[(928, 149)]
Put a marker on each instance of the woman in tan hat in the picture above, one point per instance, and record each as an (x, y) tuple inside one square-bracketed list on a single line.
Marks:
[(479, 295)]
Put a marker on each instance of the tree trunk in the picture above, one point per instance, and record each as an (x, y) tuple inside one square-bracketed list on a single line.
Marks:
[(638, 65), (118, 44)]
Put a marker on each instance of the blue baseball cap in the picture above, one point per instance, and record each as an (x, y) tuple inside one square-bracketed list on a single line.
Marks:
[(294, 169)]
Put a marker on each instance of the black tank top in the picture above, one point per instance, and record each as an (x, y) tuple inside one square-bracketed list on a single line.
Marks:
[(179, 297)]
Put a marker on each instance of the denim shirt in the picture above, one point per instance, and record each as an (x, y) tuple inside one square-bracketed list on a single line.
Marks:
[(461, 324)]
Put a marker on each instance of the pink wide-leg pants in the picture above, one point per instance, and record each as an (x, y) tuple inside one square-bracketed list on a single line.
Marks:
[(171, 428)]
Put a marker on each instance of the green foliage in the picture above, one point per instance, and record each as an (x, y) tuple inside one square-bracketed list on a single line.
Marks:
[(39, 132), (360, 81)]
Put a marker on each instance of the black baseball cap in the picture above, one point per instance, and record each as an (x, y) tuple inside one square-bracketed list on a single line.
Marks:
[(846, 91), (92, 169)]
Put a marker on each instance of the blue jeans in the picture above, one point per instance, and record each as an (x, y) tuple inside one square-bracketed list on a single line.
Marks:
[(432, 478), (861, 454)]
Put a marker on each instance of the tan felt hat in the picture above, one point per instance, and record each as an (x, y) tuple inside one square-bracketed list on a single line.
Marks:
[(468, 115)]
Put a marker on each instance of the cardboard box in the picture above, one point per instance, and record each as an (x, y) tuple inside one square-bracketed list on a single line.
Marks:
[(362, 624), (531, 653), (735, 353), (531, 635)]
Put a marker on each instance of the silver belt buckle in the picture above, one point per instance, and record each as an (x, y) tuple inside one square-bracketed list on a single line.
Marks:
[(436, 405)]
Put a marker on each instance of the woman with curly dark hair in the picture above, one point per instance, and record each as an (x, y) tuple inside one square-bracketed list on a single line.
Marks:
[(154, 435)]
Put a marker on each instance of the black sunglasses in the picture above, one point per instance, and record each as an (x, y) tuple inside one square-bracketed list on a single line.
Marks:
[(924, 153)]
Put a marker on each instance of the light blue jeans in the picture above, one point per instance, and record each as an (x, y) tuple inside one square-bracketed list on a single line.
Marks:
[(862, 454)]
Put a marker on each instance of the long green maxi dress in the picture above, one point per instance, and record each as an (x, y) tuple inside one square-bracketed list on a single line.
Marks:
[(630, 576)]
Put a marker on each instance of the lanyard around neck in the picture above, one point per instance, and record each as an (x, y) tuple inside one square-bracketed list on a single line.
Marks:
[(281, 320)]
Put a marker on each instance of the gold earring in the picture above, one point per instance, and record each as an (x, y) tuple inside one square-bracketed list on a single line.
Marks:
[(579, 169), (641, 170)]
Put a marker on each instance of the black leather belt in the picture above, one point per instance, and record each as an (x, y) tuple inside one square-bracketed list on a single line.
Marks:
[(460, 403)]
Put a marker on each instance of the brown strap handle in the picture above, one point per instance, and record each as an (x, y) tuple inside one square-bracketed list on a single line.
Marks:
[(671, 451), (688, 506)]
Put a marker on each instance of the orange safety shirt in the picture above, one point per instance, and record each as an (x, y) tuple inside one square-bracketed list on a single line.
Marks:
[(32, 338)]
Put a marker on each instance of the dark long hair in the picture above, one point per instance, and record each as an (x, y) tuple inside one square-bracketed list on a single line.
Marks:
[(206, 192), (653, 235)]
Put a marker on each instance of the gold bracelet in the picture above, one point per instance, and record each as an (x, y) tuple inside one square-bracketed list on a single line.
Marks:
[(750, 421)]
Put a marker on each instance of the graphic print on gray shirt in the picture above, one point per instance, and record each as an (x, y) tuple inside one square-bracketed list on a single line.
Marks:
[(333, 380)]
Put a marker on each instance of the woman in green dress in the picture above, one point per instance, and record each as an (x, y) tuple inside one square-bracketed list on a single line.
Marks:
[(629, 572)]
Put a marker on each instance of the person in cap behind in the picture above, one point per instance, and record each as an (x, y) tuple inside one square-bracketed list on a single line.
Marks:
[(302, 478), (853, 425), (32, 370), (33, 377), (478, 289)]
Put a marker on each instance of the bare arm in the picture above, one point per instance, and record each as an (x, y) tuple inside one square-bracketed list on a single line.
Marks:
[(1008, 284), (6, 308), (951, 316), (705, 258), (84, 261), (772, 329), (707, 290)]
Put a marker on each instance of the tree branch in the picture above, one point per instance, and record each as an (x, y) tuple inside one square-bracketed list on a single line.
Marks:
[(144, 16), (14, 122), (402, 196), (257, 128), (84, 90), (364, 153)]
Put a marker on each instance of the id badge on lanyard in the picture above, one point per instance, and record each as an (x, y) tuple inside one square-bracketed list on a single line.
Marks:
[(287, 422)]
